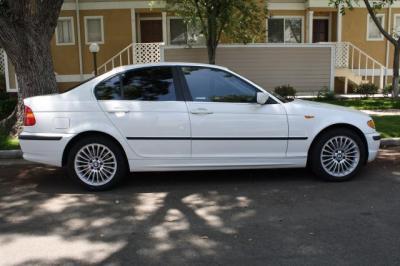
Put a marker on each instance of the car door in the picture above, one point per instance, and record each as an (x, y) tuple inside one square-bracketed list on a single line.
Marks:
[(225, 119), (147, 108)]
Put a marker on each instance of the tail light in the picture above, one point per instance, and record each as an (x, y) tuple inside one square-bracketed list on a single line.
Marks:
[(29, 117)]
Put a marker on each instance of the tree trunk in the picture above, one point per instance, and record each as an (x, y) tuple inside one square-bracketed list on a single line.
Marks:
[(27, 27), (395, 82), (212, 37)]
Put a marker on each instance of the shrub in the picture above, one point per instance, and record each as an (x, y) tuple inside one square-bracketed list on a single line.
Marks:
[(7, 104), (326, 94), (367, 89), (286, 91), (388, 89), (2, 82)]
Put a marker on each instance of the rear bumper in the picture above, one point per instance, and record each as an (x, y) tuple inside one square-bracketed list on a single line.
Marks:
[(374, 141), (44, 148)]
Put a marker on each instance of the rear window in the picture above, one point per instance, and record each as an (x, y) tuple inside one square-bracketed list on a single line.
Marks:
[(147, 84)]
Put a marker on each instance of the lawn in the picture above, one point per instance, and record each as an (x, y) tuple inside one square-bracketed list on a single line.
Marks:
[(8, 143), (388, 126), (365, 104)]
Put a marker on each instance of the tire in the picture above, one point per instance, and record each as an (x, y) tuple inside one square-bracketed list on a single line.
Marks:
[(342, 163), (97, 163)]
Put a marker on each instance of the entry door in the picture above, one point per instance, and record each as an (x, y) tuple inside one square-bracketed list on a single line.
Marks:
[(151, 30), (320, 30), (226, 121), (143, 104)]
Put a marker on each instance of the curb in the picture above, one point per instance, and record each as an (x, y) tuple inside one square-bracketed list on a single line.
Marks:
[(11, 154), (17, 154)]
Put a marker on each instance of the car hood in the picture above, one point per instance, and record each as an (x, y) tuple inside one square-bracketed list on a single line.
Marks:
[(304, 107)]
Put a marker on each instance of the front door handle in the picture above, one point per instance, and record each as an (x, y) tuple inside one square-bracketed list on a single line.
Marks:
[(201, 111)]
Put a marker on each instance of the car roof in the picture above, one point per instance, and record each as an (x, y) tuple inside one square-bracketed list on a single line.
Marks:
[(128, 67)]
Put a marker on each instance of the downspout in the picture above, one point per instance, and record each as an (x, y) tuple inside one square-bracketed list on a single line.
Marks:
[(388, 44), (78, 25)]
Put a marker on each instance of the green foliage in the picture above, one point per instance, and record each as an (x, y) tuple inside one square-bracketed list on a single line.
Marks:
[(7, 104), (239, 20), (388, 89), (364, 104), (286, 91), (343, 4), (326, 94), (367, 89), (8, 143)]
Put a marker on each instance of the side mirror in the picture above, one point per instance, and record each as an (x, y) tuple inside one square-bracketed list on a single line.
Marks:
[(262, 97)]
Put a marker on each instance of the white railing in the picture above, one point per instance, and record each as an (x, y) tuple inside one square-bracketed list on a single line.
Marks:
[(349, 56), (135, 53)]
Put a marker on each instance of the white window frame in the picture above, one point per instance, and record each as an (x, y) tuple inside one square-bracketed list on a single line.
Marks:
[(72, 33), (395, 16), (169, 28), (287, 17), (86, 18), (383, 25)]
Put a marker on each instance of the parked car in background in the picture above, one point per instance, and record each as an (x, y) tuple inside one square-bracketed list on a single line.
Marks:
[(182, 116)]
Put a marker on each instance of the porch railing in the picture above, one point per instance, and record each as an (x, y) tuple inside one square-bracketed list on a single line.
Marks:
[(135, 53), (349, 56)]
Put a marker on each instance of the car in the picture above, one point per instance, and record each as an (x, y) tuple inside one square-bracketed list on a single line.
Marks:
[(186, 116)]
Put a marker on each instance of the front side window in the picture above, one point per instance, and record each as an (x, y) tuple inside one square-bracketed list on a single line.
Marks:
[(94, 31), (214, 85), (285, 30), (109, 89), (373, 32), (65, 31), (149, 84)]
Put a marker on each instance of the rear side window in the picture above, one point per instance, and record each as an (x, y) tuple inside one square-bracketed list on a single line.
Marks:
[(147, 84), (109, 89), (214, 85)]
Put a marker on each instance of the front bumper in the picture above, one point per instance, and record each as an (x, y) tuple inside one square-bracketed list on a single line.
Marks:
[(44, 148), (373, 141)]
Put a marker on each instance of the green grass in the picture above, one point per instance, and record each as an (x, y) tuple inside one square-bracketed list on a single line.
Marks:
[(8, 143), (365, 104), (388, 126)]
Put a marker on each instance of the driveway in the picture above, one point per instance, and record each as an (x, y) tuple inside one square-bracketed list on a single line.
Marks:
[(227, 217)]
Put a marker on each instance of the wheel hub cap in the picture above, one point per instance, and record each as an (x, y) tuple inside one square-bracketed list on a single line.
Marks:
[(340, 156), (95, 164)]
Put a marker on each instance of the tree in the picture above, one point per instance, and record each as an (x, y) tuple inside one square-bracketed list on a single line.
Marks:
[(390, 36), (26, 29), (240, 20)]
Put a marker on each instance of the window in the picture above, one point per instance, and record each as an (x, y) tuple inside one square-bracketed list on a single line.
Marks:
[(373, 33), (177, 31), (214, 85), (94, 30), (65, 31), (396, 25), (285, 30), (149, 84), (109, 89)]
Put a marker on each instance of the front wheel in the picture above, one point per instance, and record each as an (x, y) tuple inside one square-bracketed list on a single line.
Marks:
[(337, 155), (97, 163)]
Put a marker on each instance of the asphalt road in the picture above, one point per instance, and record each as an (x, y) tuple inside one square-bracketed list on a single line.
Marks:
[(263, 217)]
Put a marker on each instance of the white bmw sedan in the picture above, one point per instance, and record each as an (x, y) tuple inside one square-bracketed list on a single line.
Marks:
[(180, 116)]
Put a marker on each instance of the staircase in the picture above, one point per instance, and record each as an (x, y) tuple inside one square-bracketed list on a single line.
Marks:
[(354, 65), (135, 53)]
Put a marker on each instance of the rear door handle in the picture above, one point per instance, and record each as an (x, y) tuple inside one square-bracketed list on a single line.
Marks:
[(118, 110), (201, 111)]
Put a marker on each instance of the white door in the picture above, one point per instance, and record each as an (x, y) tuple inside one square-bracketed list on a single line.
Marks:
[(227, 122), (145, 106)]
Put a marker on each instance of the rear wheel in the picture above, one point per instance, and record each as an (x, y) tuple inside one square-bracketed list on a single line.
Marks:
[(97, 163), (337, 155)]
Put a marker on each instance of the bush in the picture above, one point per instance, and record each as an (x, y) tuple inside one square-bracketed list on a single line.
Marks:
[(388, 89), (367, 89), (286, 91), (7, 104), (325, 94), (2, 82)]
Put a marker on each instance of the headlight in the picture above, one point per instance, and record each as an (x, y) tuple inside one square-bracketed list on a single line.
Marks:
[(371, 124)]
